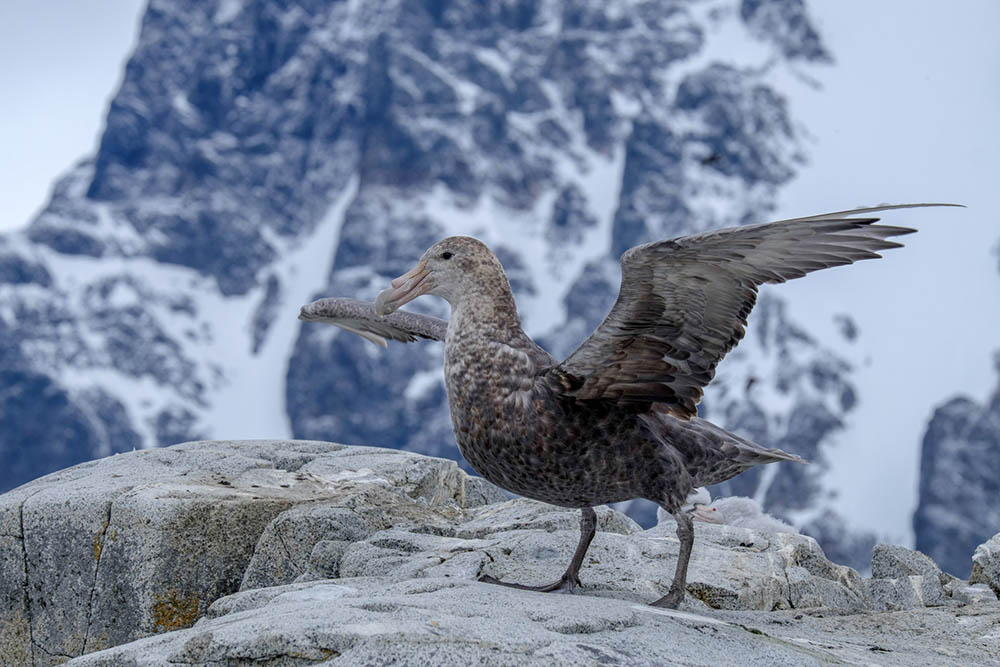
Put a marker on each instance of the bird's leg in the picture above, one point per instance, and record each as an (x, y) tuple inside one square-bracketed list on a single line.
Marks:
[(570, 579), (685, 533)]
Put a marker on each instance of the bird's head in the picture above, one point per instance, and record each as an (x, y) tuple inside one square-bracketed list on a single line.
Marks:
[(451, 269), (698, 506)]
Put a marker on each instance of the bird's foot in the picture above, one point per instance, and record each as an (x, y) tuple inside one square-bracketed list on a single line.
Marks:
[(669, 601), (565, 584)]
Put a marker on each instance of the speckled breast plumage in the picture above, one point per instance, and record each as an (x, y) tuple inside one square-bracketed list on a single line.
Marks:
[(520, 436)]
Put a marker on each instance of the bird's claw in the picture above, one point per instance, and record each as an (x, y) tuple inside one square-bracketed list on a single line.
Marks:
[(669, 601), (565, 584)]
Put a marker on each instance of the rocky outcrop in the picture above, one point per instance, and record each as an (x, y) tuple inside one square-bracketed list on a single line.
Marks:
[(295, 552), (444, 621), (986, 564), (905, 579), (141, 543), (959, 481)]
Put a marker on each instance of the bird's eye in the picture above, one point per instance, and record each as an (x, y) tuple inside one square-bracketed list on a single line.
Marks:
[(446, 255)]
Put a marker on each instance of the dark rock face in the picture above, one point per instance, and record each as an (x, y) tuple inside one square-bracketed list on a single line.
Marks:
[(261, 154), (46, 428), (67, 241), (16, 270), (215, 246), (756, 114), (36, 411), (786, 24), (959, 482)]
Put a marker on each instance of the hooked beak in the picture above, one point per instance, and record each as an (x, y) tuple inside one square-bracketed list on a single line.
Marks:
[(706, 513), (404, 289)]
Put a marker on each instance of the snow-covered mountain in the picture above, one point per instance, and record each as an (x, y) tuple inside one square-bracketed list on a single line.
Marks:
[(262, 154)]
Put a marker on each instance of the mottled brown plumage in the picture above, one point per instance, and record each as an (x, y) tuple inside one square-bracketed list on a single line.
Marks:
[(617, 419)]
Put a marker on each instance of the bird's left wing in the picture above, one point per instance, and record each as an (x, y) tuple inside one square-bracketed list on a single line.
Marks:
[(359, 318), (683, 304)]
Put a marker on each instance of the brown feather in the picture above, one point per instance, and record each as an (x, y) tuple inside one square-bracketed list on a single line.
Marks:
[(683, 303)]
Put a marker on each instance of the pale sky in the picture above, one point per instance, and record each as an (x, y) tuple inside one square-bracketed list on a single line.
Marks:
[(62, 62), (909, 113)]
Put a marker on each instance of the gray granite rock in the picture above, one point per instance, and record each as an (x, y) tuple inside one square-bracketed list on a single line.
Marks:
[(69, 542), (739, 568), (905, 579), (445, 621), (891, 561), (141, 543), (300, 552), (965, 593), (906, 592), (530, 542), (15, 632), (285, 550), (434, 480), (520, 515), (986, 564)]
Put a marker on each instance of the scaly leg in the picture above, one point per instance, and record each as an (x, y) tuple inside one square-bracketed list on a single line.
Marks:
[(570, 579), (685, 533)]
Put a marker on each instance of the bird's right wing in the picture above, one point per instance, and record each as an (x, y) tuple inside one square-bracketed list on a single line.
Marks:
[(683, 304), (359, 318)]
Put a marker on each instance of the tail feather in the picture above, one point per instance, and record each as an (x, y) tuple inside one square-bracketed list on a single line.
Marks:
[(714, 454)]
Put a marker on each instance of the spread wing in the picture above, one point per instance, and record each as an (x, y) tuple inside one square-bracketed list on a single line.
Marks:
[(683, 304), (359, 317)]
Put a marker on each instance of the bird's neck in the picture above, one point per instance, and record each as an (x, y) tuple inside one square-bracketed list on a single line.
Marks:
[(493, 314), (487, 361), (486, 305)]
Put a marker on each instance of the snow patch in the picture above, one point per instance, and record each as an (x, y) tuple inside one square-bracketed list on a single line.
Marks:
[(252, 403), (421, 383), (227, 11)]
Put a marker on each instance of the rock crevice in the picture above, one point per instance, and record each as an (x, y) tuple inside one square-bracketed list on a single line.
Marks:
[(98, 551)]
